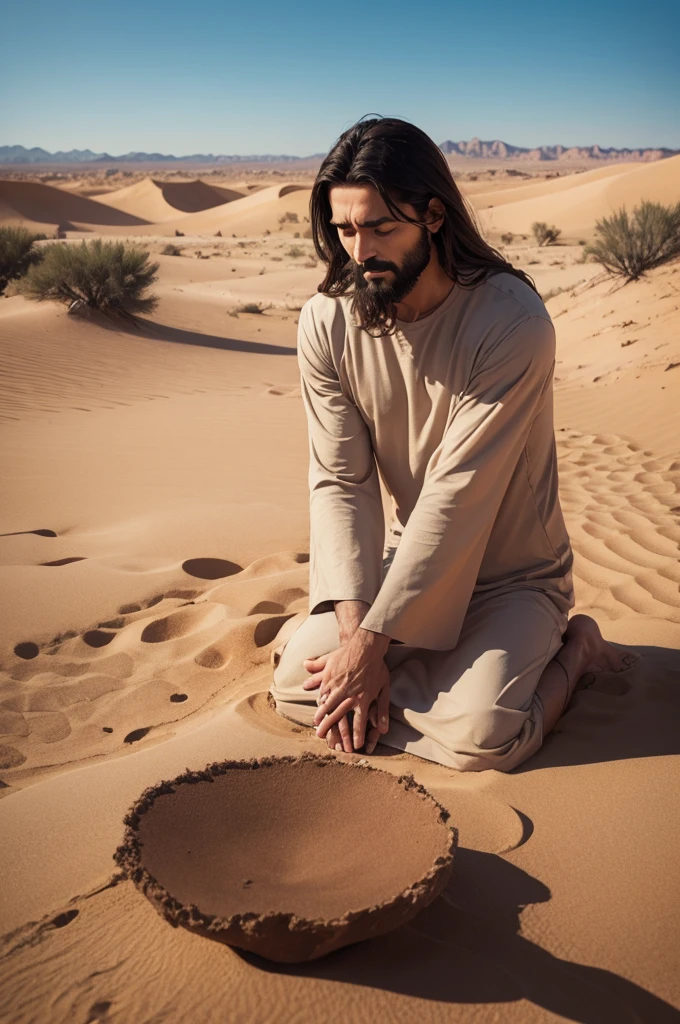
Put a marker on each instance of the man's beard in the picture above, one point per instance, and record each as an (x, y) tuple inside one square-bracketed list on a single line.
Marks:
[(374, 301)]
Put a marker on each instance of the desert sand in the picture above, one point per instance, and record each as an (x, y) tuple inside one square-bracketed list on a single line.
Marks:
[(154, 549)]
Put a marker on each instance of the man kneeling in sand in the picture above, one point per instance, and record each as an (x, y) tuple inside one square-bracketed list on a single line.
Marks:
[(428, 359)]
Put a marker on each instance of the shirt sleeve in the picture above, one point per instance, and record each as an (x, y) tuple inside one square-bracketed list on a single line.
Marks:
[(347, 522), (428, 587)]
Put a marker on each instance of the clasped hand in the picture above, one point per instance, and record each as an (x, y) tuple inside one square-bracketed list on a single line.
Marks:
[(352, 678)]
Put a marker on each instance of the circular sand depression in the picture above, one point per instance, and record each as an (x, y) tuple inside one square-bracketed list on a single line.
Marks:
[(288, 857)]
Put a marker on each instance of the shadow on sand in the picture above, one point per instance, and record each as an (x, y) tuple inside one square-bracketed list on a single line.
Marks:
[(142, 328), (466, 949), (162, 332), (621, 716)]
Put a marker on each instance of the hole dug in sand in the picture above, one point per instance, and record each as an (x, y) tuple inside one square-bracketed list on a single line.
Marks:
[(288, 857), (210, 568)]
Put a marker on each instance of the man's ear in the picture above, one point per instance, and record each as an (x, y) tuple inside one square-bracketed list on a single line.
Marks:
[(434, 218)]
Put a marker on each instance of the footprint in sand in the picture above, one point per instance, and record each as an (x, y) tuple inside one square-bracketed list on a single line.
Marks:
[(10, 757), (66, 561), (98, 638), (283, 390), (181, 623), (38, 533), (268, 629), (137, 734), (27, 650), (61, 920), (210, 568), (210, 658)]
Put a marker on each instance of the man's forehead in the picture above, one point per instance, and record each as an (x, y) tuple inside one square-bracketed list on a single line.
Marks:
[(357, 204)]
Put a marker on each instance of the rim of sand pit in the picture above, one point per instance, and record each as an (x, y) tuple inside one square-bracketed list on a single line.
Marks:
[(129, 855)]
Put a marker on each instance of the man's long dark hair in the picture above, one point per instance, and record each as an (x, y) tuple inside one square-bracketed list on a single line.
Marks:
[(405, 166)]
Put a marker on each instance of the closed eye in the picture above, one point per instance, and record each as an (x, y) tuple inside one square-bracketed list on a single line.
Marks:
[(348, 233)]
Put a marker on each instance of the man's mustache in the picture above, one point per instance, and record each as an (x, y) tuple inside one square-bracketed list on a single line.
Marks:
[(374, 266)]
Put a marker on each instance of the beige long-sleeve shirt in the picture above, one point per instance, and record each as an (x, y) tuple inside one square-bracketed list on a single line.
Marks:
[(455, 413)]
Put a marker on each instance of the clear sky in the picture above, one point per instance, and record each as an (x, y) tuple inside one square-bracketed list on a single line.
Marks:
[(276, 77)]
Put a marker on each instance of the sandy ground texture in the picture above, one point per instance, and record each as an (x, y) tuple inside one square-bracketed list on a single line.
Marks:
[(154, 540)]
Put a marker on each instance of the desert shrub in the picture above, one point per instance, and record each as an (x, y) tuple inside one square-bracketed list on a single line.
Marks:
[(307, 233), (295, 251), (296, 234), (543, 234), (218, 234), (178, 233), (17, 253), (171, 250), (249, 307), (507, 238), (629, 247), (289, 218), (552, 293), (107, 276)]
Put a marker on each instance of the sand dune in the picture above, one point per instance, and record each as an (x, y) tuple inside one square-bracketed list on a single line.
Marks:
[(532, 189), (576, 210), (253, 215), (162, 200), (31, 203)]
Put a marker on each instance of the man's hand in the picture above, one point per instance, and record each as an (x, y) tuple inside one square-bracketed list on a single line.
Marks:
[(353, 678), (349, 615)]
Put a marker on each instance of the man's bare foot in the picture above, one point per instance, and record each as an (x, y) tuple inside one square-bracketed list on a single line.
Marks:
[(586, 652)]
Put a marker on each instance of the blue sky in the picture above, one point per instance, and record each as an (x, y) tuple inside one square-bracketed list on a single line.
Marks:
[(288, 78)]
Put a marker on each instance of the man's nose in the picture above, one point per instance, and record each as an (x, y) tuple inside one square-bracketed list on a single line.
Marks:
[(364, 248)]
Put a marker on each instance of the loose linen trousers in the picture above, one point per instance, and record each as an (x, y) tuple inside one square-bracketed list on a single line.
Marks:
[(471, 708)]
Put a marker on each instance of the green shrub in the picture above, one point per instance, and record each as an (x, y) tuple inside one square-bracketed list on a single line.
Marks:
[(507, 238), (543, 234), (17, 253), (107, 276), (630, 247)]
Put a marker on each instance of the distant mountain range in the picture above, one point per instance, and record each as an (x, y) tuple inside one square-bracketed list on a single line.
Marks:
[(36, 155), (477, 148), (474, 149)]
